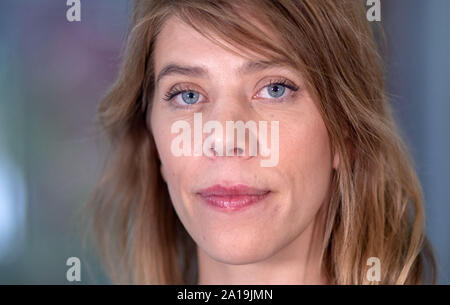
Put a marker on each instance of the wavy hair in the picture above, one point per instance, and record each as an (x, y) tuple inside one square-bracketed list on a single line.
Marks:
[(376, 203)]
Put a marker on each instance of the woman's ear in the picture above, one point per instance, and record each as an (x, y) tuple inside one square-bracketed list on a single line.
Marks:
[(336, 160), (161, 169)]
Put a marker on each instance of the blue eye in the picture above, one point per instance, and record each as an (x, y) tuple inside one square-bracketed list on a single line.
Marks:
[(190, 97), (276, 90)]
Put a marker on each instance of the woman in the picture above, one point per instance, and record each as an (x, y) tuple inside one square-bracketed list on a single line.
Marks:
[(179, 202)]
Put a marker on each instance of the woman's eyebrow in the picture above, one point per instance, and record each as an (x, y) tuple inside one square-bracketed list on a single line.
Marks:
[(198, 71)]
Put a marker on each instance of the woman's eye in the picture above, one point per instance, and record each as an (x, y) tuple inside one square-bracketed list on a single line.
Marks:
[(275, 91), (183, 97), (190, 97)]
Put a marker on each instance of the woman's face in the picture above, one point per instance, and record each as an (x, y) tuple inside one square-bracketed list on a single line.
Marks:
[(235, 209)]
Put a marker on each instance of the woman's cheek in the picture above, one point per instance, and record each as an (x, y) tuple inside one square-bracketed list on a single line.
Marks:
[(305, 156)]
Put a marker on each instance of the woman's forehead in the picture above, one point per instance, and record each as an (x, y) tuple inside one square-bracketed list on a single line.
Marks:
[(179, 42)]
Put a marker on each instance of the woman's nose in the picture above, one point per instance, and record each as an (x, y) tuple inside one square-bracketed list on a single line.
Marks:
[(238, 134)]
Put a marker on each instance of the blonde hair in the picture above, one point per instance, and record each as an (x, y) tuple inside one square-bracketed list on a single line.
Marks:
[(376, 206)]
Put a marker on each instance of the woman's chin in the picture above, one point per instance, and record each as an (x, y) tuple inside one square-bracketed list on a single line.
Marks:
[(235, 252)]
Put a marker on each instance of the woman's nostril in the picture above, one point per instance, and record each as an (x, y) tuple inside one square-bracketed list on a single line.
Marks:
[(238, 151)]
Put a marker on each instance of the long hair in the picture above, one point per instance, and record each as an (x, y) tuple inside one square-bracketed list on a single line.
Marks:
[(376, 202)]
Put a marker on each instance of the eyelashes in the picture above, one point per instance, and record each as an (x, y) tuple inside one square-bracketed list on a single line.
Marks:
[(174, 92), (190, 92)]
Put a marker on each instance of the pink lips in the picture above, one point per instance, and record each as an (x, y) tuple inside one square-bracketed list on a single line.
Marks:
[(232, 198)]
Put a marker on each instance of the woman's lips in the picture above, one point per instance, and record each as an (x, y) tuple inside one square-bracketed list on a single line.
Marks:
[(232, 198)]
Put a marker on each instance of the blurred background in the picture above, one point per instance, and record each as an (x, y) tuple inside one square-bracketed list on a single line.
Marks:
[(53, 74)]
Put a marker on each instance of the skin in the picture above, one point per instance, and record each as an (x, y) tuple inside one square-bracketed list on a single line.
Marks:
[(277, 240)]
